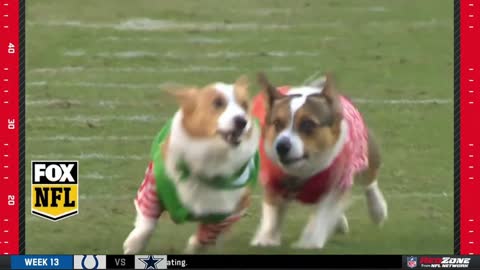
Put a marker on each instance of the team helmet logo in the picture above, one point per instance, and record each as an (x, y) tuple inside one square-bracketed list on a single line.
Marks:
[(54, 189)]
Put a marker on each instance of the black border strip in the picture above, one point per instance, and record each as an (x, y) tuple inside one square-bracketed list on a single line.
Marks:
[(21, 135), (456, 138), (54, 219)]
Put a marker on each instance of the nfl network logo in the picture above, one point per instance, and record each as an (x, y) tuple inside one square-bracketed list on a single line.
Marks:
[(54, 189), (411, 262)]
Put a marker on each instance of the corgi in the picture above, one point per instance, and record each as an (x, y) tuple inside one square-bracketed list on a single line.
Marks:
[(203, 163), (314, 143)]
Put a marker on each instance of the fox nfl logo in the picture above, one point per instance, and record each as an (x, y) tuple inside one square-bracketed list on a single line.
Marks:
[(54, 189)]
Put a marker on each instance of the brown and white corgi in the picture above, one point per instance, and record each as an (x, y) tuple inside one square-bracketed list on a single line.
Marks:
[(203, 163), (314, 143)]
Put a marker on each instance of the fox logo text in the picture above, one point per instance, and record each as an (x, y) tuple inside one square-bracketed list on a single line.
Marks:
[(54, 189)]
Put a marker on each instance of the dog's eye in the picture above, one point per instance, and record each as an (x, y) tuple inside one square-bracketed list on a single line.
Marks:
[(278, 124), (218, 103), (307, 126)]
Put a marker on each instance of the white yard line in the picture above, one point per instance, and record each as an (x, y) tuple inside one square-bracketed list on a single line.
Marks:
[(115, 103), (182, 55), (256, 196), (155, 118), (403, 101), (142, 69), (195, 40), (89, 118), (75, 53), (373, 9), (89, 156), (205, 39), (290, 11), (146, 24), (99, 176), (73, 138), (424, 24), (94, 85)]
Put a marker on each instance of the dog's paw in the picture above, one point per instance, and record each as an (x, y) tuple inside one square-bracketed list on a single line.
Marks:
[(194, 246), (307, 244), (266, 240), (342, 226), (132, 246), (377, 206)]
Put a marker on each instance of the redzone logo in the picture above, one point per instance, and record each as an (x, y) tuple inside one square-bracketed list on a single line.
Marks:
[(427, 260), (455, 260), (444, 260)]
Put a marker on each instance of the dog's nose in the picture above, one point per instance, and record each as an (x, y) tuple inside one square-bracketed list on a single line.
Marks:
[(283, 146), (239, 122)]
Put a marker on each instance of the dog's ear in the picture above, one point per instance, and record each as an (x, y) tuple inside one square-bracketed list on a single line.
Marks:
[(242, 81), (186, 98), (330, 93), (329, 86), (271, 92), (241, 86)]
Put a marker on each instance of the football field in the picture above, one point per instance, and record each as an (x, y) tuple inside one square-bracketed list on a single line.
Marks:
[(97, 72)]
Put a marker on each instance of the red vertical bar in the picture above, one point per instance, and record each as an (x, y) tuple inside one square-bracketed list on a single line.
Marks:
[(9, 117), (469, 127)]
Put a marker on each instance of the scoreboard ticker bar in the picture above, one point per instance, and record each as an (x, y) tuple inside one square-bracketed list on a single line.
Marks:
[(198, 261), (9, 127), (237, 262), (11, 209)]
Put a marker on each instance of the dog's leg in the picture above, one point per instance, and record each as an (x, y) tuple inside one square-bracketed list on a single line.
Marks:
[(377, 206), (208, 233), (322, 222), (269, 232), (138, 238)]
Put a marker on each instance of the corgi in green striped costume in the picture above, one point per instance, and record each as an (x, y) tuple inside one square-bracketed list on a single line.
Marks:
[(204, 162)]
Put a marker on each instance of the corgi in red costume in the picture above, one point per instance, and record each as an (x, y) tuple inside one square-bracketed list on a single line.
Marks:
[(314, 144)]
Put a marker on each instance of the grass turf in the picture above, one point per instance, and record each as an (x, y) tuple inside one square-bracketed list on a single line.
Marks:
[(106, 111)]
